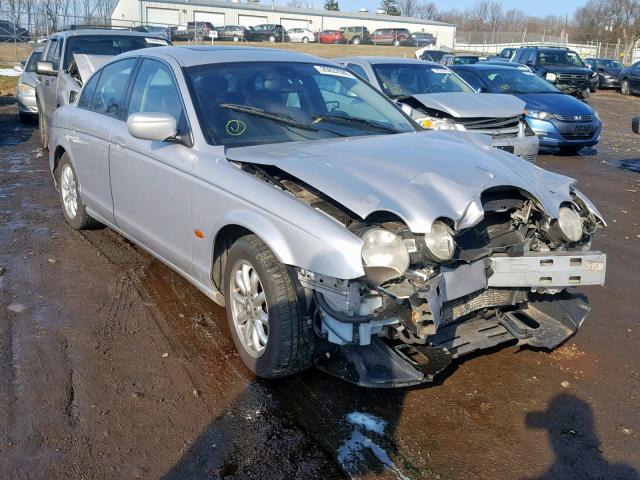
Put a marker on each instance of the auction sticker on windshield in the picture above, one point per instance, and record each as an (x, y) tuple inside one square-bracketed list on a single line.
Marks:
[(327, 70)]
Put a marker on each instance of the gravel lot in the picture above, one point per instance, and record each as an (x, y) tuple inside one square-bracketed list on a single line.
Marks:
[(112, 366)]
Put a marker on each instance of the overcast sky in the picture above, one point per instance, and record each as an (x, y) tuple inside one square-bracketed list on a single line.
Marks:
[(534, 7)]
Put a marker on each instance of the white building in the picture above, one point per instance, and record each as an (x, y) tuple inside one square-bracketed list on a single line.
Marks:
[(220, 12)]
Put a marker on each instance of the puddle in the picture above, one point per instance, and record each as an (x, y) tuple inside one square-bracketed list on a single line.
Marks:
[(351, 454), (631, 165)]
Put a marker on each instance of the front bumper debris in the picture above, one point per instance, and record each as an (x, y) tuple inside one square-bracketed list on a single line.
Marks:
[(544, 322), (498, 300)]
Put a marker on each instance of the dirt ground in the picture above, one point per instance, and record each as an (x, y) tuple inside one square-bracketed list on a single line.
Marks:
[(113, 366)]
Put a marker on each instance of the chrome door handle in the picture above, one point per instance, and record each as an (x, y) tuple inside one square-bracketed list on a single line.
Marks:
[(120, 142)]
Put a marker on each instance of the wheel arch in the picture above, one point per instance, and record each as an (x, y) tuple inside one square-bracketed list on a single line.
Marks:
[(55, 162)]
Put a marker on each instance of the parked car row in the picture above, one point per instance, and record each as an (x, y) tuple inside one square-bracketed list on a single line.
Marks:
[(380, 272)]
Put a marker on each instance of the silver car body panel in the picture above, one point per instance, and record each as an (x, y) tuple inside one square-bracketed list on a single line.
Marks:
[(439, 174), (473, 105), (27, 101)]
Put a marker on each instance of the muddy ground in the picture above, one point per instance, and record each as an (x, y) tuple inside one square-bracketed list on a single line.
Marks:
[(113, 366)]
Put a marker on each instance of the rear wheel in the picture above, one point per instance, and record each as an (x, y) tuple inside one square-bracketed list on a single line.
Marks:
[(272, 38), (624, 87), (265, 313), (73, 207), (356, 40), (396, 43), (236, 38), (305, 40)]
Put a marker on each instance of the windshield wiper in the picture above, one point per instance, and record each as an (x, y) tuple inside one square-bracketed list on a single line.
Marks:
[(353, 121), (276, 117)]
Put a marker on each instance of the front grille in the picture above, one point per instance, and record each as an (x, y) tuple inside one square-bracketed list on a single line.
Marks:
[(575, 118), (572, 77), (491, 297), (579, 136), (496, 127)]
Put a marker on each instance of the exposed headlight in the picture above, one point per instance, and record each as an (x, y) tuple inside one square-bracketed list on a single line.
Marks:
[(25, 89), (551, 77), (539, 115), (433, 123), (439, 242), (384, 254), (568, 226), (596, 114)]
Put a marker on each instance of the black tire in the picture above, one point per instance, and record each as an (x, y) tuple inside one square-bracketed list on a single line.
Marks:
[(81, 220), (272, 39), (624, 87), (570, 150), (44, 133), (396, 43), (24, 118), (289, 348)]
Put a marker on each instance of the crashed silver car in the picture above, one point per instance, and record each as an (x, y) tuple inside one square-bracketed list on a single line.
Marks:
[(70, 58), (336, 232), (439, 99)]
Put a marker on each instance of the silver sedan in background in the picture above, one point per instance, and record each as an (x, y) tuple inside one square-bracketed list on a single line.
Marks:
[(26, 88), (335, 230)]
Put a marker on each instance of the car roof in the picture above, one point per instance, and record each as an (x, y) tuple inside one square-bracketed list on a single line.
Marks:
[(372, 60), (99, 32), (189, 56)]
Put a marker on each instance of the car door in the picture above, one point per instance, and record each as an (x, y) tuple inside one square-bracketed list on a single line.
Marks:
[(634, 77), (150, 179), (100, 105), (47, 95)]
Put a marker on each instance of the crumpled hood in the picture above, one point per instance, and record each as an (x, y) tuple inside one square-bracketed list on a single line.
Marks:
[(473, 105), (556, 103), (418, 176)]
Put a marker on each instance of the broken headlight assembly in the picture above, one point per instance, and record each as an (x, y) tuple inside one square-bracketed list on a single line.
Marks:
[(384, 255), (433, 123), (568, 226)]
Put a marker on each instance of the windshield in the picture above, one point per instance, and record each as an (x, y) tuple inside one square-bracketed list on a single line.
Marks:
[(608, 64), (33, 60), (514, 80), (258, 103), (560, 57), (107, 45), (400, 79)]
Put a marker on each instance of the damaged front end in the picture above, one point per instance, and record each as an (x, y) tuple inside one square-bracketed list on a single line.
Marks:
[(427, 299)]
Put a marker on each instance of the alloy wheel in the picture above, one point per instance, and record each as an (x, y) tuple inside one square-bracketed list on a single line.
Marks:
[(69, 191), (249, 309)]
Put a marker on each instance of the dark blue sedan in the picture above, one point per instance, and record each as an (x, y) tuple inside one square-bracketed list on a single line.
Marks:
[(560, 121)]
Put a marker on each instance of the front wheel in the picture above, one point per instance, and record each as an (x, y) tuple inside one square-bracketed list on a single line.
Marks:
[(396, 43), (236, 38), (264, 311), (624, 87), (305, 40), (42, 126), (356, 41), (73, 207), (272, 39)]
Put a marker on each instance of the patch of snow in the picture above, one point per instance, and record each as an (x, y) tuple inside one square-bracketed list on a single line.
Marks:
[(351, 452), (9, 72)]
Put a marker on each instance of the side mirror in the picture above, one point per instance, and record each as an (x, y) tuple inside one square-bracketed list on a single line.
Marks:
[(156, 127), (635, 125), (46, 68)]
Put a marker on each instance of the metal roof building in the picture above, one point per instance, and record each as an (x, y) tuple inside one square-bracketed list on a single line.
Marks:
[(220, 12)]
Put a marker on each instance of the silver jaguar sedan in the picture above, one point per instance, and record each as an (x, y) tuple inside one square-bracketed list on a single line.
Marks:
[(335, 231)]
